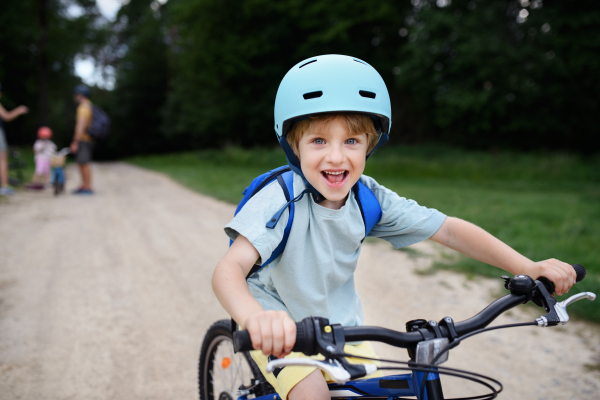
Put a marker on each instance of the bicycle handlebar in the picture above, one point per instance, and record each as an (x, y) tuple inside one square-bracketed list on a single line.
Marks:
[(307, 331)]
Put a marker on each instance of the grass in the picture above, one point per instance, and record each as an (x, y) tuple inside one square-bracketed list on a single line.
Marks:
[(543, 205), (26, 156)]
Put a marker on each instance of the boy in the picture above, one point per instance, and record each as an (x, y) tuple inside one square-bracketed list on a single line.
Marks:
[(331, 112)]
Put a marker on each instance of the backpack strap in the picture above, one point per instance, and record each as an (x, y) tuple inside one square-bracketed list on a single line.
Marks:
[(285, 178), (370, 209), (286, 181)]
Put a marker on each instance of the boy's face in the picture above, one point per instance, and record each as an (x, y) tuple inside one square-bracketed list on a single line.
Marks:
[(332, 160)]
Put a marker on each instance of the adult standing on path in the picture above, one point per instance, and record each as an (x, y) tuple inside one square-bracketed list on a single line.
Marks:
[(83, 144), (7, 116)]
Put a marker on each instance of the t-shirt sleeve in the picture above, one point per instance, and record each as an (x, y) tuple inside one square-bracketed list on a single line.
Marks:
[(38, 146), (252, 219), (403, 222)]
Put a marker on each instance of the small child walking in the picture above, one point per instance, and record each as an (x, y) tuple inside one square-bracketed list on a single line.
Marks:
[(44, 149)]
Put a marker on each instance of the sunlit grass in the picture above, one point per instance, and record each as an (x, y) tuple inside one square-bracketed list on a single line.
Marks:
[(543, 205)]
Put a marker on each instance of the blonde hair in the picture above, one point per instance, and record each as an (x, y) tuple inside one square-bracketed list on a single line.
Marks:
[(356, 123)]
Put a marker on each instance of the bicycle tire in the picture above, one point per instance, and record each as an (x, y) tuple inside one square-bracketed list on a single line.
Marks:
[(217, 361)]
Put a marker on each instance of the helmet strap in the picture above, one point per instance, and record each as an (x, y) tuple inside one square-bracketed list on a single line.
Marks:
[(383, 139), (294, 164)]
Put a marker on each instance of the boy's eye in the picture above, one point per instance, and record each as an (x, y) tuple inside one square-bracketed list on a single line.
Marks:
[(319, 141), (351, 141)]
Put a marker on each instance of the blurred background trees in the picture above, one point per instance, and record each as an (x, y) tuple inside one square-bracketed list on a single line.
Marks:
[(204, 73), (38, 46)]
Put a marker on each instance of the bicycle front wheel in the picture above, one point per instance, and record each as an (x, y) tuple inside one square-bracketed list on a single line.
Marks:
[(223, 374)]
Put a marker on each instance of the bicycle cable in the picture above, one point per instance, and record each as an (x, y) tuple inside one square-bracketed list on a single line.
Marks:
[(457, 341), (472, 376), (427, 368)]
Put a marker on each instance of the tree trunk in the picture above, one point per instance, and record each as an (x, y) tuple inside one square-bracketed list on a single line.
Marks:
[(42, 62)]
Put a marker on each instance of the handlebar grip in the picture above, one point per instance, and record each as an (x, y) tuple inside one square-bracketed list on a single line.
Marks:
[(241, 341), (579, 270), (305, 342)]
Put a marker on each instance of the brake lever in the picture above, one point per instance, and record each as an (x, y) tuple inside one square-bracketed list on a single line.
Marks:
[(561, 308), (334, 368)]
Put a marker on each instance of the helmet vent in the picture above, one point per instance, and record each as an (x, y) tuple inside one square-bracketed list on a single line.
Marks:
[(358, 61), (312, 61), (314, 95), (364, 93)]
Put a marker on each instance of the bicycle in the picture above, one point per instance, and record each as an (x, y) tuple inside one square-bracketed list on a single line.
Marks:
[(227, 372), (15, 167), (58, 171)]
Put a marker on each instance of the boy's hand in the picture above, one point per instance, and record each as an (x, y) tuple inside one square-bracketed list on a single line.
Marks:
[(273, 332), (561, 274)]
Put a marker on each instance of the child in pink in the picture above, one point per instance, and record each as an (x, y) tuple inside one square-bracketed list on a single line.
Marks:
[(44, 149)]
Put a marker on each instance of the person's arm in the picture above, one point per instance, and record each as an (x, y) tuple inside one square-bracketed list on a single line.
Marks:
[(273, 332), (10, 115), (476, 243)]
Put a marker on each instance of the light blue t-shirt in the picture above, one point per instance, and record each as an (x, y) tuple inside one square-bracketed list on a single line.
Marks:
[(314, 276)]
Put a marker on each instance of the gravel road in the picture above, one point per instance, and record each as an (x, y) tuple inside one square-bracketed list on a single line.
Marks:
[(108, 297)]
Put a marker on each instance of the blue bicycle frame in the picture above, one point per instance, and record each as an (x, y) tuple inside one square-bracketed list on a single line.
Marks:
[(58, 175), (392, 387)]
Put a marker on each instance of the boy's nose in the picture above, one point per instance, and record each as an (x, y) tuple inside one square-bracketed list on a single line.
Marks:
[(335, 154)]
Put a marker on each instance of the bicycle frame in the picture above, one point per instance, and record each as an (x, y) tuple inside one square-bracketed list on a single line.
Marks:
[(58, 175), (391, 386)]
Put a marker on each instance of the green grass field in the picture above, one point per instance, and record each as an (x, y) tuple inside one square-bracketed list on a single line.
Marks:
[(543, 205), (27, 170)]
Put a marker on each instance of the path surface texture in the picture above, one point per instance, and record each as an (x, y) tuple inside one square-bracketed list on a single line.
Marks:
[(108, 297)]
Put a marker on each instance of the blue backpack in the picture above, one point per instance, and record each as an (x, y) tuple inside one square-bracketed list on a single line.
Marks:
[(100, 125), (367, 202)]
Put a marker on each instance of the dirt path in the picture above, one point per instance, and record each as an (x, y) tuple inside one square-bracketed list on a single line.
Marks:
[(108, 297)]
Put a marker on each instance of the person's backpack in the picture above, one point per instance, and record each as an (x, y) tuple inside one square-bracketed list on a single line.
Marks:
[(100, 125), (367, 202)]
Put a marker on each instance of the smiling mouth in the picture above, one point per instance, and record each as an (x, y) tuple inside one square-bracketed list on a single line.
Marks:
[(335, 177)]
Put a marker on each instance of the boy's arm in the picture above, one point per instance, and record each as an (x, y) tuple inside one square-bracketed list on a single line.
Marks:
[(476, 243), (273, 332)]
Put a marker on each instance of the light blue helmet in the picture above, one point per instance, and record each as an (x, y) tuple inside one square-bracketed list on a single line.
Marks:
[(331, 83)]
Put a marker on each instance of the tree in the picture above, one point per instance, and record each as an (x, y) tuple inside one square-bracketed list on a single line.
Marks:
[(137, 102), (39, 42), (200, 73), (503, 74)]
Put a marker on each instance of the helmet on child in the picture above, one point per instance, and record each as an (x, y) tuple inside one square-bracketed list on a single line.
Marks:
[(330, 83), (44, 133)]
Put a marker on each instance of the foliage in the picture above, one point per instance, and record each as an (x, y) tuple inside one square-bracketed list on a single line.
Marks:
[(229, 59), (487, 77), (204, 73), (472, 73), (30, 47), (137, 102)]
